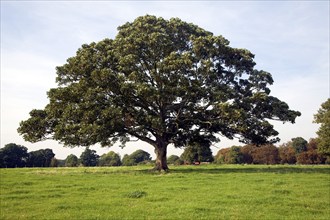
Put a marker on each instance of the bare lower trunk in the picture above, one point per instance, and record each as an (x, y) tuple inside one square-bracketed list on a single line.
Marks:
[(161, 160)]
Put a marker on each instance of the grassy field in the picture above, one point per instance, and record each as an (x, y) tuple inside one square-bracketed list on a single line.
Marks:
[(187, 192)]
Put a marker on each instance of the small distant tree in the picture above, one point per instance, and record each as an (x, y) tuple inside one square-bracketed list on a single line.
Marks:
[(287, 154), (13, 155), (232, 155), (323, 118), (197, 152), (247, 151), (175, 160), (89, 158), (266, 154), (139, 156), (312, 155), (128, 161), (299, 144), (110, 159), (222, 156), (40, 158), (71, 161), (312, 144), (235, 155), (189, 155)]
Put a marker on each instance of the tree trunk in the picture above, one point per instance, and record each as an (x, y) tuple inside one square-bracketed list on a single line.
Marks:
[(161, 160)]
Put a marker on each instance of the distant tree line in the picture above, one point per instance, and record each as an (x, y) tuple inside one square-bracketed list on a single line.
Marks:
[(13, 155), (90, 158), (296, 151)]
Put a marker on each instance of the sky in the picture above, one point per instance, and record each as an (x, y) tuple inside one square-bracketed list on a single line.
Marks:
[(290, 39)]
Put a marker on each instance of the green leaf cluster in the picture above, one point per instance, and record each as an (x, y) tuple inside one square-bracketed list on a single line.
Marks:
[(89, 158), (323, 117), (135, 158), (110, 159)]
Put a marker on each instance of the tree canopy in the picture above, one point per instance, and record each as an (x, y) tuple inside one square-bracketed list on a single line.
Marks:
[(40, 158), (89, 158), (323, 117), (175, 160), (197, 152), (270, 154), (71, 161), (136, 157), (299, 144), (13, 155), (163, 82), (110, 159)]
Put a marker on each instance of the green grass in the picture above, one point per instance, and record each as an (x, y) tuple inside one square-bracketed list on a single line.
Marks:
[(187, 192)]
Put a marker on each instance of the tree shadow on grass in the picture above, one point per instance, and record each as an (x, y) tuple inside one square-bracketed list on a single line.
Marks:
[(251, 169)]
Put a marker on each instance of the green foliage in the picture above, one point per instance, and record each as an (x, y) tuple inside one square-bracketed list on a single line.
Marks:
[(140, 155), (36, 127), (128, 161), (163, 82), (40, 158), (270, 154), (89, 158), (71, 161), (323, 117), (13, 155), (197, 152), (232, 155), (238, 192), (174, 160), (110, 159), (135, 158), (235, 155), (222, 155), (299, 144)]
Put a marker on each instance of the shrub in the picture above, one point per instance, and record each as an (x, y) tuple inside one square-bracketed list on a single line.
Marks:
[(175, 160)]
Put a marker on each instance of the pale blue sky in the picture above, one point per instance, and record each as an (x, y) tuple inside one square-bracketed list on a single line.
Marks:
[(289, 38)]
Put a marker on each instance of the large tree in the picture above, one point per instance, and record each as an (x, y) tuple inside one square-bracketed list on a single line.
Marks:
[(163, 82)]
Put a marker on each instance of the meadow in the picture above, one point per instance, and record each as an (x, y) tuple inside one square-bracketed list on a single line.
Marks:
[(186, 192)]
